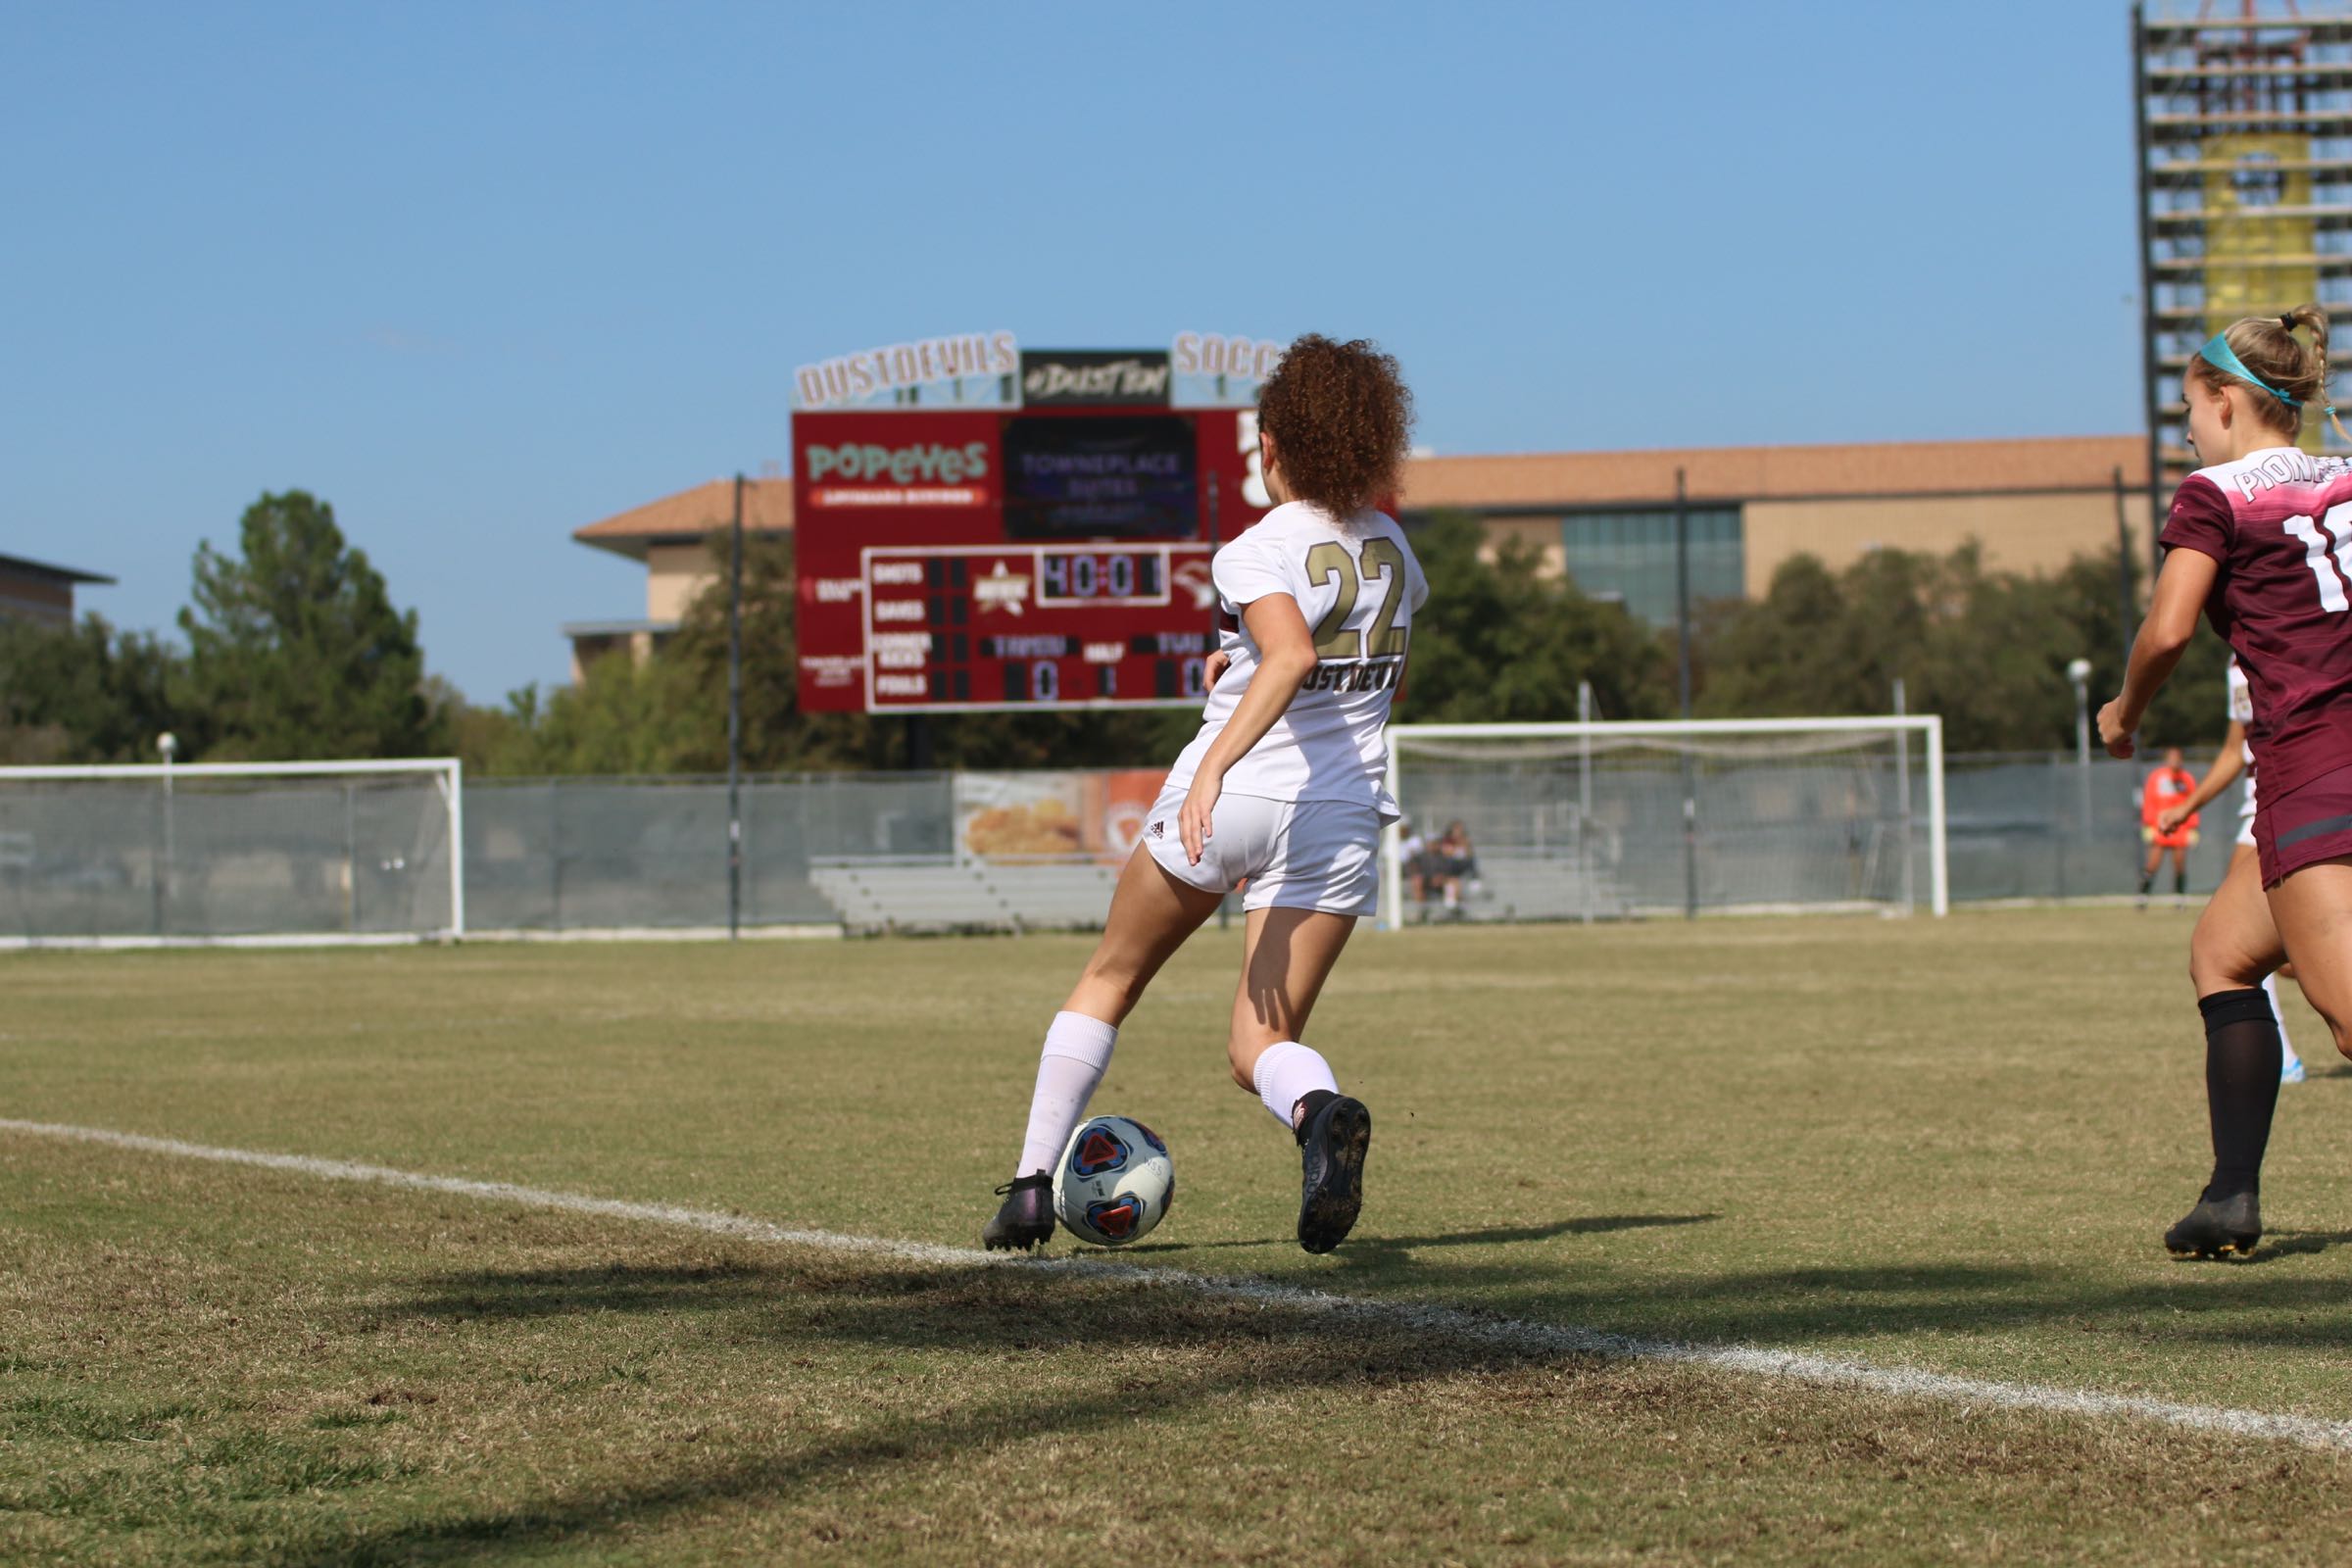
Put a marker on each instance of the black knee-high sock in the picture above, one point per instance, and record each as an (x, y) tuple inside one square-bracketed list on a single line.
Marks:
[(2180, 881), (2241, 1086), (2147, 880)]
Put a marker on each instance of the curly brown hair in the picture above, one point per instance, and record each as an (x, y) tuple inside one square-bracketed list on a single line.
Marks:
[(1339, 416)]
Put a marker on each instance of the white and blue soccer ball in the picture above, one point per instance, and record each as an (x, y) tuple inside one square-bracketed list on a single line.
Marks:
[(1114, 1181)]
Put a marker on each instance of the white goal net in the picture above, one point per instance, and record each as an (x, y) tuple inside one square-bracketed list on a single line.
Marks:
[(1591, 821), (264, 851)]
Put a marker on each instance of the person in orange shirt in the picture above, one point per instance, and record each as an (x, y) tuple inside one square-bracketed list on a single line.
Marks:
[(2166, 787)]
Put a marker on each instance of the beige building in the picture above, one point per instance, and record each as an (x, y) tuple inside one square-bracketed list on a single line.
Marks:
[(1607, 517)]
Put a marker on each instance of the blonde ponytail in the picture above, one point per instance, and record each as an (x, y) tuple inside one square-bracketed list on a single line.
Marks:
[(2284, 366), (2314, 317)]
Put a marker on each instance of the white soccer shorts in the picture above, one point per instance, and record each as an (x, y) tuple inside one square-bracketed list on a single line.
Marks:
[(1304, 855)]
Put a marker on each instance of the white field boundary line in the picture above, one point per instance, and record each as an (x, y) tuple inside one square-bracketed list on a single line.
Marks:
[(1516, 1334)]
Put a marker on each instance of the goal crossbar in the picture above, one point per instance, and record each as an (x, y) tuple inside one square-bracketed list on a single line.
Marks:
[(1928, 726), (166, 770)]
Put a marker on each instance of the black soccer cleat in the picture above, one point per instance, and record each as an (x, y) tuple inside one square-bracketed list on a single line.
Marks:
[(1026, 1217), (1331, 1158), (2217, 1227)]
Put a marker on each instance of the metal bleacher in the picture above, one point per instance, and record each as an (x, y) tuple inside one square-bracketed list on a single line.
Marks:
[(877, 893), (895, 893)]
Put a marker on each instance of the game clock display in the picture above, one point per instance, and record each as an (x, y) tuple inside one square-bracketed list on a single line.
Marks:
[(955, 560)]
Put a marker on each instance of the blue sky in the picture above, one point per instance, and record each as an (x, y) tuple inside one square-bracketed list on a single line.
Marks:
[(481, 273)]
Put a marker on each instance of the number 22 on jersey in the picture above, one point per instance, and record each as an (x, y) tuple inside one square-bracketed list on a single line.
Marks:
[(1333, 637)]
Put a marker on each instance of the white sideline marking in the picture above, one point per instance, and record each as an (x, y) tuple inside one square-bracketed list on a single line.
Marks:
[(1512, 1334)]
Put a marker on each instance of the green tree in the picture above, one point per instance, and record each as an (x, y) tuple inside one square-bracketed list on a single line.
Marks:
[(1986, 650), (88, 694), (1501, 641), (295, 648), (777, 735), (621, 716)]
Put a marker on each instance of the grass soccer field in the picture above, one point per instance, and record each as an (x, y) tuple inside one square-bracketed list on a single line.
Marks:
[(1922, 1167)]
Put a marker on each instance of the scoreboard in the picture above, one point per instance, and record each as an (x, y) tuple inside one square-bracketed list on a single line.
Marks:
[(1045, 554)]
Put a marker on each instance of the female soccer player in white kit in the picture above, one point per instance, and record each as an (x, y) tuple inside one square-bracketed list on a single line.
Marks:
[(1283, 788)]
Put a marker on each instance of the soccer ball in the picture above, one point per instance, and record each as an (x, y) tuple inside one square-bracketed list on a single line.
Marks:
[(1114, 1181)]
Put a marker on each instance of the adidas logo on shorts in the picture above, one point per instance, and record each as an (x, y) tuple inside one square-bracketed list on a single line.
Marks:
[(1157, 830)]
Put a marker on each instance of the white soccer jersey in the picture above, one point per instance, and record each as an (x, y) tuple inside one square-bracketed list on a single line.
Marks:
[(1358, 587), (2241, 711)]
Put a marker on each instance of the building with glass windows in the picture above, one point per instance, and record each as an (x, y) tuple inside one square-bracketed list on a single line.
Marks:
[(2245, 183), (1605, 519), (1608, 520)]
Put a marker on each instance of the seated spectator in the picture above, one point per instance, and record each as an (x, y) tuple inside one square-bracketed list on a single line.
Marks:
[(1450, 863), (1412, 853)]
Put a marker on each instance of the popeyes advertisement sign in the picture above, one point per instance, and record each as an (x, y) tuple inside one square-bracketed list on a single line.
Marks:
[(893, 466)]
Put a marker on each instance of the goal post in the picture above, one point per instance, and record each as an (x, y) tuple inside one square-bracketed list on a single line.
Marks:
[(1598, 821), (254, 854)]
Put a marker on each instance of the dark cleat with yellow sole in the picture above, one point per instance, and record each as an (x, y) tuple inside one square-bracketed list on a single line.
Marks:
[(2217, 1228)]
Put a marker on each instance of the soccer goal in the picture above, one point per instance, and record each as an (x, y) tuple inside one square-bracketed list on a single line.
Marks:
[(260, 853), (1612, 821)]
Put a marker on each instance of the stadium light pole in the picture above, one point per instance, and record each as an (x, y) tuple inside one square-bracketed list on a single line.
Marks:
[(735, 720), (1682, 678), (1584, 796), (168, 744), (2079, 672)]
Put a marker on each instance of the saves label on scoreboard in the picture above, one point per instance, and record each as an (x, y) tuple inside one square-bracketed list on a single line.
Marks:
[(1056, 556)]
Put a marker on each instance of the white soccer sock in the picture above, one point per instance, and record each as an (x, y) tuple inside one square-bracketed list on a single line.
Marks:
[(1286, 1073), (2286, 1048), (1077, 1050)]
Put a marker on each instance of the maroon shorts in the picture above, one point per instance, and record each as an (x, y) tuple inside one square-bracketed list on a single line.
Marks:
[(2305, 826)]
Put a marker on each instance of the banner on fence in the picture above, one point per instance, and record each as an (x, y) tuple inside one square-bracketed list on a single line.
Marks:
[(1067, 815)]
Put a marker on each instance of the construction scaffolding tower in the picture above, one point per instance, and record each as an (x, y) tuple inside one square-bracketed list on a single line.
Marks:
[(2245, 186)]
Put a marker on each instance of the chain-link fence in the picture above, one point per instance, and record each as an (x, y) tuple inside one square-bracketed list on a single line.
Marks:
[(334, 857), (605, 854)]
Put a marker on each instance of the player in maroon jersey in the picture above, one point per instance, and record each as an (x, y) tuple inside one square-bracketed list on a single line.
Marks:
[(2259, 541)]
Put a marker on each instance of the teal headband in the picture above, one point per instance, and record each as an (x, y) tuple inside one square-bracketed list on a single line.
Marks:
[(2217, 353)]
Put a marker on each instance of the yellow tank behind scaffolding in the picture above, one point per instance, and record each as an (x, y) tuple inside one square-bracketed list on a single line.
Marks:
[(2261, 243)]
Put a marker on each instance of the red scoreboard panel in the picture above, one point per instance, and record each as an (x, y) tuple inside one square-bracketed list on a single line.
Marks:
[(1005, 558)]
